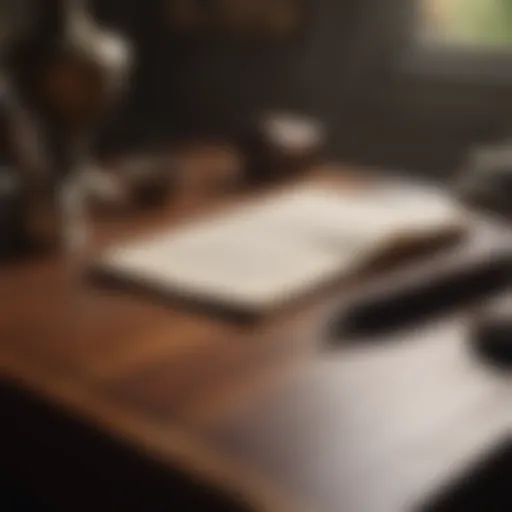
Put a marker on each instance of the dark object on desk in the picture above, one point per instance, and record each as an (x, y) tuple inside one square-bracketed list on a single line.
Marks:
[(485, 488), (493, 192), (492, 334), (418, 301), (148, 179), (486, 182), (282, 145)]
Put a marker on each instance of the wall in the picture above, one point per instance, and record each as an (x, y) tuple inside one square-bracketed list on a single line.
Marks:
[(340, 70), (187, 87)]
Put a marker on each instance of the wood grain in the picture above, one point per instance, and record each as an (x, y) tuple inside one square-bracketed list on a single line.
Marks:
[(147, 373)]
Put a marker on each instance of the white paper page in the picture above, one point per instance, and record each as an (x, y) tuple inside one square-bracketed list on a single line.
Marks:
[(261, 254)]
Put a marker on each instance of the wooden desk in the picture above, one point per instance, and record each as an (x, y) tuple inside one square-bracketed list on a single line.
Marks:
[(124, 392), (127, 366)]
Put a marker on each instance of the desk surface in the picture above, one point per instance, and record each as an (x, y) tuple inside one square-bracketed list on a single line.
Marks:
[(192, 391)]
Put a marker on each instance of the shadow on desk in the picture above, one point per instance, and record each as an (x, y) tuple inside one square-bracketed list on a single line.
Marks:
[(71, 467), (486, 487), (15, 498)]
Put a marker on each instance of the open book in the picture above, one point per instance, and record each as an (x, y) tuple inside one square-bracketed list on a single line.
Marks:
[(256, 257)]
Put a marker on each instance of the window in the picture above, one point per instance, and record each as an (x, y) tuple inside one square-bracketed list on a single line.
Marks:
[(470, 23), (466, 38)]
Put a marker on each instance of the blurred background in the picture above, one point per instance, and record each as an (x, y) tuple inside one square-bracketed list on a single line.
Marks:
[(397, 82), (364, 272)]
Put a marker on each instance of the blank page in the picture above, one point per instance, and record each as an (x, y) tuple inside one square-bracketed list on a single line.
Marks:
[(259, 255)]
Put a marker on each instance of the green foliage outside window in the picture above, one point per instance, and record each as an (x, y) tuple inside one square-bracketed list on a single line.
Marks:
[(486, 23)]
